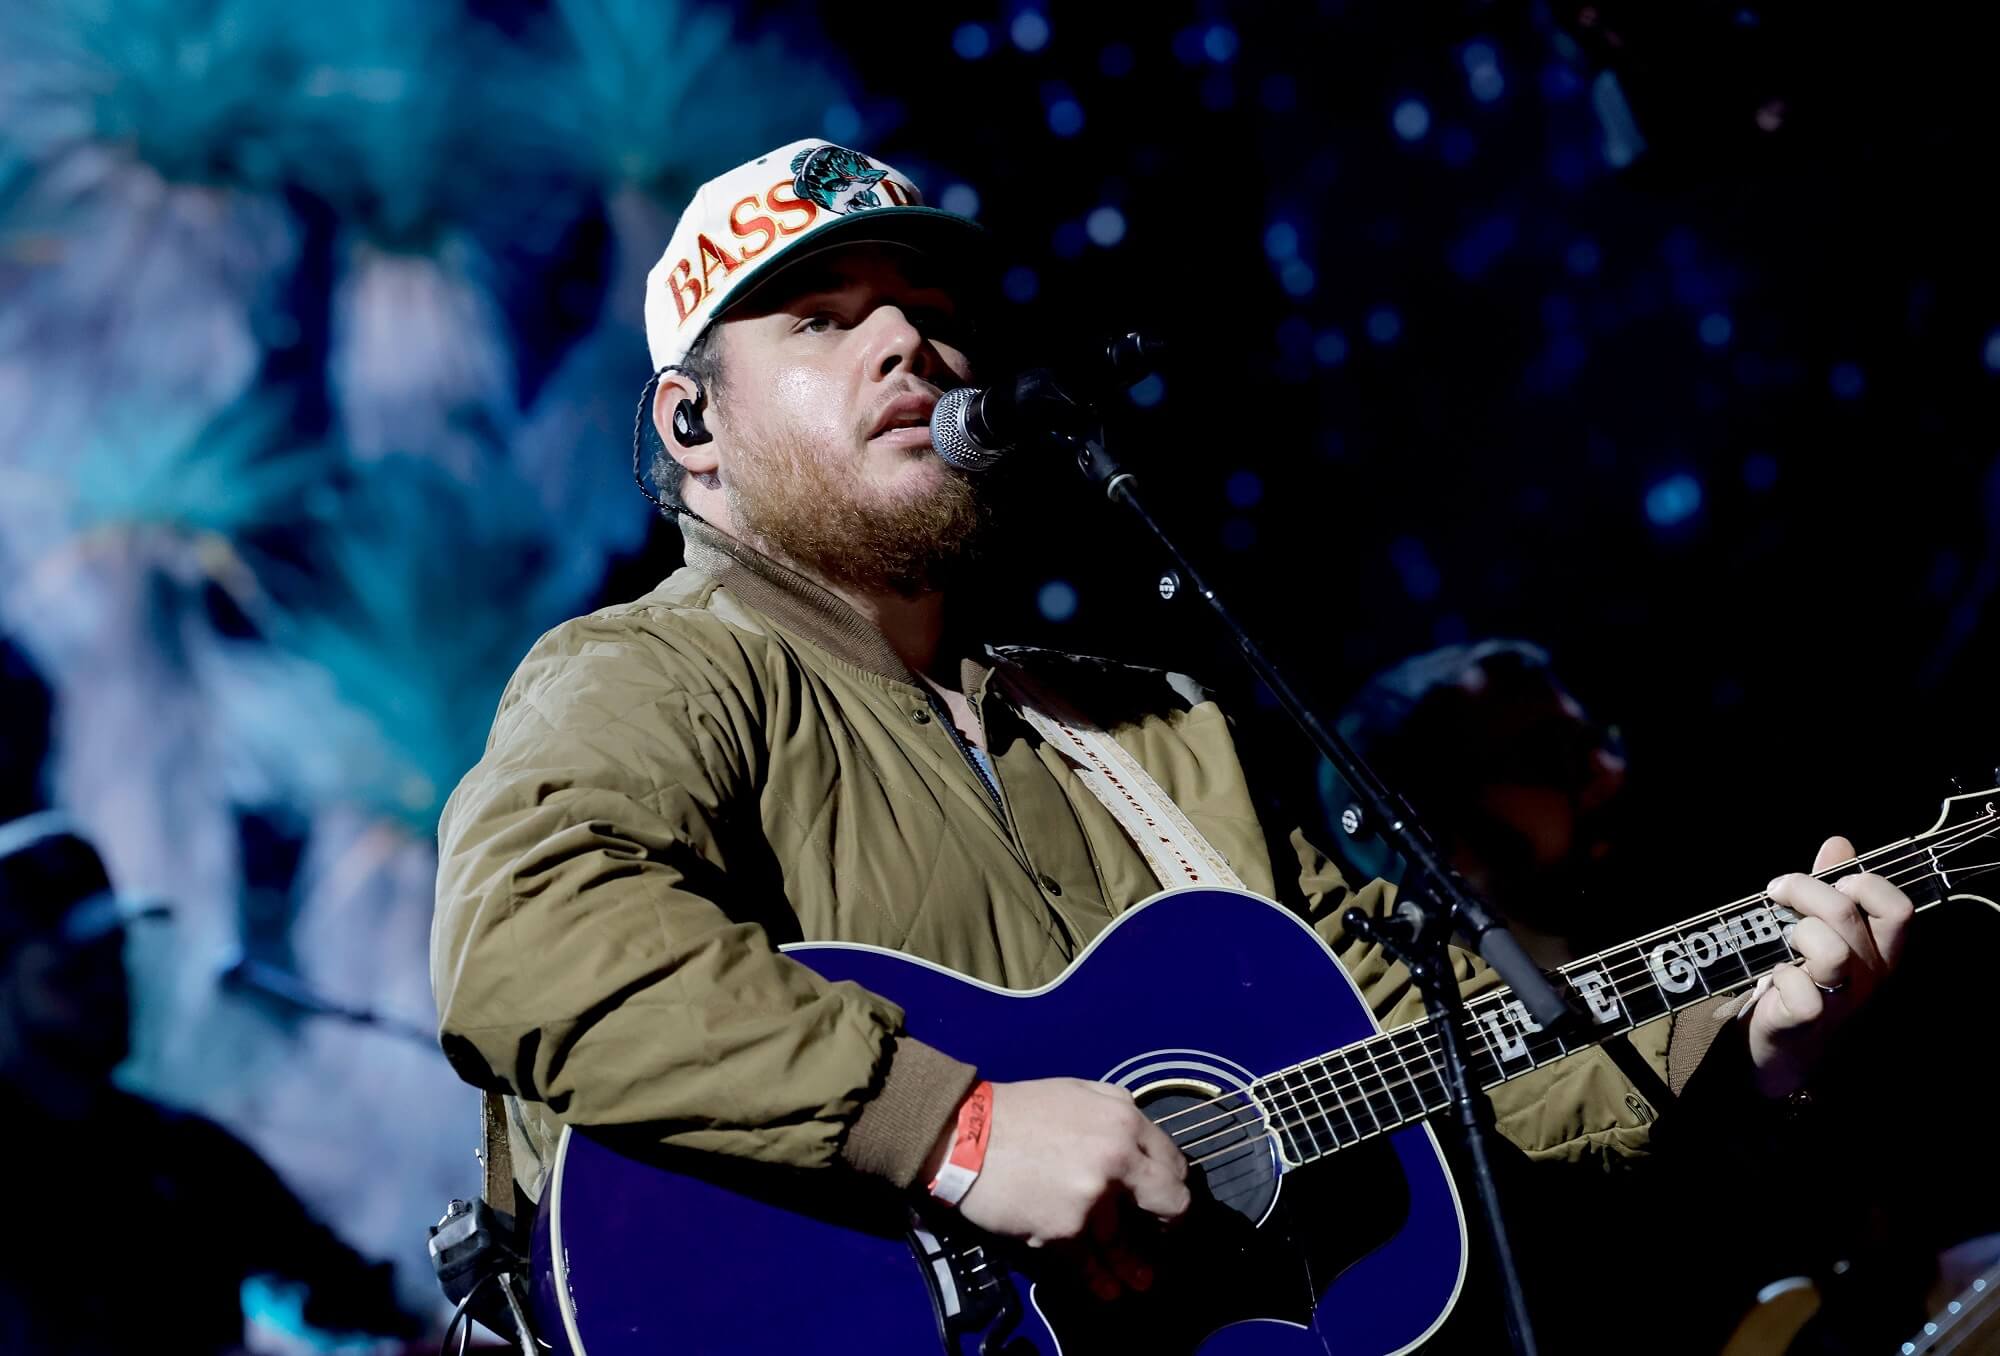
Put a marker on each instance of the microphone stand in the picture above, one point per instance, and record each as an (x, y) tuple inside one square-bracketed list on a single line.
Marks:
[(1436, 902)]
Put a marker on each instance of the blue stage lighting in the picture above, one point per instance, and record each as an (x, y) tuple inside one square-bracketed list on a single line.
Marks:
[(1421, 579), (1057, 600), (1244, 489), (962, 199), (971, 41), (1482, 71), (1411, 120), (842, 123), (1673, 501), (1105, 226)]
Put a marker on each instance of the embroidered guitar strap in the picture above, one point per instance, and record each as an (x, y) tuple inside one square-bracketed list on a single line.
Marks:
[(498, 1156), (1172, 846)]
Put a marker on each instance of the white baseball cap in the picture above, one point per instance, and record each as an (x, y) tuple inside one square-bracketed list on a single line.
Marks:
[(796, 201)]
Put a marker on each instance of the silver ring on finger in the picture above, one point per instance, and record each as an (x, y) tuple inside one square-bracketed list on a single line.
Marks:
[(1828, 988)]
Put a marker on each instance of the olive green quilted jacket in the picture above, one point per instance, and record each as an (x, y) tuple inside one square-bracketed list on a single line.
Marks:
[(676, 785)]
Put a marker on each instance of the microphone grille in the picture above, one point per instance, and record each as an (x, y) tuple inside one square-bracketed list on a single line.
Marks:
[(949, 436)]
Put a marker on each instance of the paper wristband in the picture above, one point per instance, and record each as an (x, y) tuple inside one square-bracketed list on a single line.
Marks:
[(967, 1155)]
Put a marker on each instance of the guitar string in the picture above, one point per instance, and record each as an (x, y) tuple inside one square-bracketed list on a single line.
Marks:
[(1619, 973), (1616, 975), (1429, 1040), (1428, 1043), (1359, 1082)]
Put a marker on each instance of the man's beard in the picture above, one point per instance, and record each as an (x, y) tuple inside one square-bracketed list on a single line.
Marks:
[(811, 512)]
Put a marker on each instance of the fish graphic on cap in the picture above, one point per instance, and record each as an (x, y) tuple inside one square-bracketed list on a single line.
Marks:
[(836, 178)]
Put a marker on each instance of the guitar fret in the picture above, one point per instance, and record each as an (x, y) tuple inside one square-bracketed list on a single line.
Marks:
[(1498, 1069), (1729, 936), (1595, 982), (1347, 1058), (1765, 937), (1394, 1086), (1544, 1046), (1627, 965), (1282, 1119), (1331, 1083), (1312, 1116), (1410, 1074), (1499, 1020), (1428, 1082), (1732, 948), (1306, 1124)]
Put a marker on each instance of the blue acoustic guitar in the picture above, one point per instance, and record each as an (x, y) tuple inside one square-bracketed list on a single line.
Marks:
[(1325, 1219)]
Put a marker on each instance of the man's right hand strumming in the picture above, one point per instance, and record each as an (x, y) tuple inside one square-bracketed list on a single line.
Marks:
[(1064, 1155)]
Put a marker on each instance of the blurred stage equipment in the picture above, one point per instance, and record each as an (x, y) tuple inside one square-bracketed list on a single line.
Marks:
[(288, 990)]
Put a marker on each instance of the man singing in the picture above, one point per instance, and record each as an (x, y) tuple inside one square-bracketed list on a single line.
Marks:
[(803, 734)]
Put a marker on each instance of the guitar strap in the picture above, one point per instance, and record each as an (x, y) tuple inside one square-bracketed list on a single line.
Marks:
[(1172, 846), (497, 1157)]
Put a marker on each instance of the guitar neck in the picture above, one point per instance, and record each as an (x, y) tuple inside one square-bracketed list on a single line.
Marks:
[(1968, 1318), (1391, 1080)]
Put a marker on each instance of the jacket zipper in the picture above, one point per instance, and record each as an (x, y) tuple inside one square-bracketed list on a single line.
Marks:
[(965, 752)]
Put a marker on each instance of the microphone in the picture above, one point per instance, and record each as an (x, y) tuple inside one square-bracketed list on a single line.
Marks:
[(974, 427)]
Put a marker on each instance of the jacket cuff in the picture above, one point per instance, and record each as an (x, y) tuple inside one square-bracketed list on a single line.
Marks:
[(900, 1124)]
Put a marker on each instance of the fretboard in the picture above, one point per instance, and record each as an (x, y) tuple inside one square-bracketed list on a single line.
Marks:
[(1391, 1080)]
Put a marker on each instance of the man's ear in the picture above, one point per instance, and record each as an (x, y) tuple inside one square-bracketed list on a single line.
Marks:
[(698, 458)]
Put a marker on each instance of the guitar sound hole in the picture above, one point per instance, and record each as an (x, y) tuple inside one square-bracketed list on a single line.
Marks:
[(1228, 1152)]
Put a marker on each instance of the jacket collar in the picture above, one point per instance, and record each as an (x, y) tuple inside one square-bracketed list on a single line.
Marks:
[(790, 599)]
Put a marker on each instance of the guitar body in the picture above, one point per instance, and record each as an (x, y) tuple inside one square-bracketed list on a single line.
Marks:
[(1198, 991)]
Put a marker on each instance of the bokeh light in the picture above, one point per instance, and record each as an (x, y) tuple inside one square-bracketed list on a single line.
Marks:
[(1411, 119), (1673, 501), (960, 198), (1057, 600), (1029, 31), (971, 41)]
